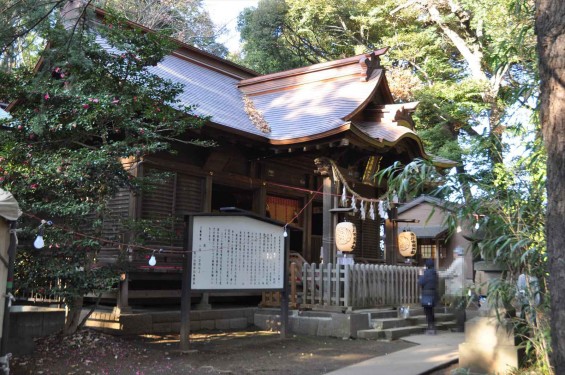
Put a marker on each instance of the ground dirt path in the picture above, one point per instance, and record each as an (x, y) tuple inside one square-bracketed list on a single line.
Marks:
[(214, 352)]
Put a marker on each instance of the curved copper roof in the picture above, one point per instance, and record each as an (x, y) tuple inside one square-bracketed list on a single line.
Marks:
[(294, 106), (298, 105)]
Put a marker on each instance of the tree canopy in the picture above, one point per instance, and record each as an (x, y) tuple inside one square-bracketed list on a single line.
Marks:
[(185, 20), (472, 66), (90, 111), (466, 65)]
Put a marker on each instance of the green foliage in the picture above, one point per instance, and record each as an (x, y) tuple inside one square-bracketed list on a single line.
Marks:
[(20, 20), (91, 110), (184, 20), (466, 62), (505, 219), (263, 29)]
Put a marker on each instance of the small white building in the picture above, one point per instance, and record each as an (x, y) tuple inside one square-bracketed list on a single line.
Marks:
[(433, 239)]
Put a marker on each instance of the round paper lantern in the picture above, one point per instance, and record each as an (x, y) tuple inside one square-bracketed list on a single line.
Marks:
[(407, 244), (345, 236)]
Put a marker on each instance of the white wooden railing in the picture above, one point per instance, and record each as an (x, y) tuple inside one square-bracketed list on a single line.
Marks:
[(358, 286)]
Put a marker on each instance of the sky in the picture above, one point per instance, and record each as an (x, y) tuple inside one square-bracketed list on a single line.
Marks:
[(224, 13)]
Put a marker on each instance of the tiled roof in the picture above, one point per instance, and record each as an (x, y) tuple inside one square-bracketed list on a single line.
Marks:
[(215, 93), (291, 106), (296, 104), (308, 109)]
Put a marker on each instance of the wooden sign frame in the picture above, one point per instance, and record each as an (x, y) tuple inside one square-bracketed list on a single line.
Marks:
[(217, 245)]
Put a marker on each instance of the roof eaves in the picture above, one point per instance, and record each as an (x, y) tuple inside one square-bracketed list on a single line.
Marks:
[(281, 142), (241, 133), (382, 142), (425, 199)]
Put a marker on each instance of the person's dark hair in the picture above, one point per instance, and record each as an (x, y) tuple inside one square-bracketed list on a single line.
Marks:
[(430, 263)]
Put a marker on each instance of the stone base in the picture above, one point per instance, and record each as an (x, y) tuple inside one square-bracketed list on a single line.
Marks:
[(169, 322), (490, 346), (484, 359), (315, 323)]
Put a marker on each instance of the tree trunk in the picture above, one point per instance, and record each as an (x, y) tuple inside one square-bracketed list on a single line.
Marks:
[(550, 30), (73, 316)]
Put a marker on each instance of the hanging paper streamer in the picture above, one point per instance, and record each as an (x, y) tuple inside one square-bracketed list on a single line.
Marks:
[(344, 197), (362, 208), (382, 210), (353, 203), (372, 211)]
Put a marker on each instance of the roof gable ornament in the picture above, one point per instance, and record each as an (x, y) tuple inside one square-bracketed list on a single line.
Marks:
[(370, 64)]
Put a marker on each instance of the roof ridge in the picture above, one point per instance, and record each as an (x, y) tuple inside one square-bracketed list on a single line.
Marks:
[(313, 68)]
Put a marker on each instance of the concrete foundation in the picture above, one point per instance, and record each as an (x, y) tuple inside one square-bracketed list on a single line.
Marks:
[(169, 321), (29, 322), (315, 323)]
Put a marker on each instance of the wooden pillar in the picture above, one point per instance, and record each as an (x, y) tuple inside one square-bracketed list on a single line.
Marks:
[(307, 230), (207, 204), (204, 303), (328, 252), (327, 221), (123, 295), (134, 213), (260, 200), (391, 237)]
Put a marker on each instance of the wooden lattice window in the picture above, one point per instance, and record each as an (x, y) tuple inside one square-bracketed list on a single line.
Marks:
[(428, 251)]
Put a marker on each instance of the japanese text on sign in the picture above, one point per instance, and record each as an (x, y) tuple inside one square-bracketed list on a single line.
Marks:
[(236, 252)]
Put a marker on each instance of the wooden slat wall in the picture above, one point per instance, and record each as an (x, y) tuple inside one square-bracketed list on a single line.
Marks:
[(118, 208), (112, 224), (189, 198), (172, 198), (159, 202)]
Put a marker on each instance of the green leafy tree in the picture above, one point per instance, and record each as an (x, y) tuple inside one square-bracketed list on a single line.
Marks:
[(185, 20), (20, 19), (509, 229), (468, 65), (91, 109)]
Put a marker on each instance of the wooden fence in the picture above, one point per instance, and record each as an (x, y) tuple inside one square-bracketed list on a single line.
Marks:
[(358, 286), (339, 287)]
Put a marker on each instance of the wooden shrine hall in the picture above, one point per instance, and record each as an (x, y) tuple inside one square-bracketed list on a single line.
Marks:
[(278, 139)]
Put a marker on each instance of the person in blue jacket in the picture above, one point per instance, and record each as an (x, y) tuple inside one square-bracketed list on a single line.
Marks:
[(429, 282)]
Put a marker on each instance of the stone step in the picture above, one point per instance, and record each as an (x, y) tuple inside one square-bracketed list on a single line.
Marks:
[(404, 327), (384, 314), (379, 313), (388, 323), (397, 333), (371, 334), (421, 319)]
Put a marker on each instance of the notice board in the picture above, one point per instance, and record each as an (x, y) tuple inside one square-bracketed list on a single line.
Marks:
[(236, 253)]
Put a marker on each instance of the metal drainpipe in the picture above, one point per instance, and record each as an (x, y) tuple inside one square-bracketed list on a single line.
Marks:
[(5, 357)]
